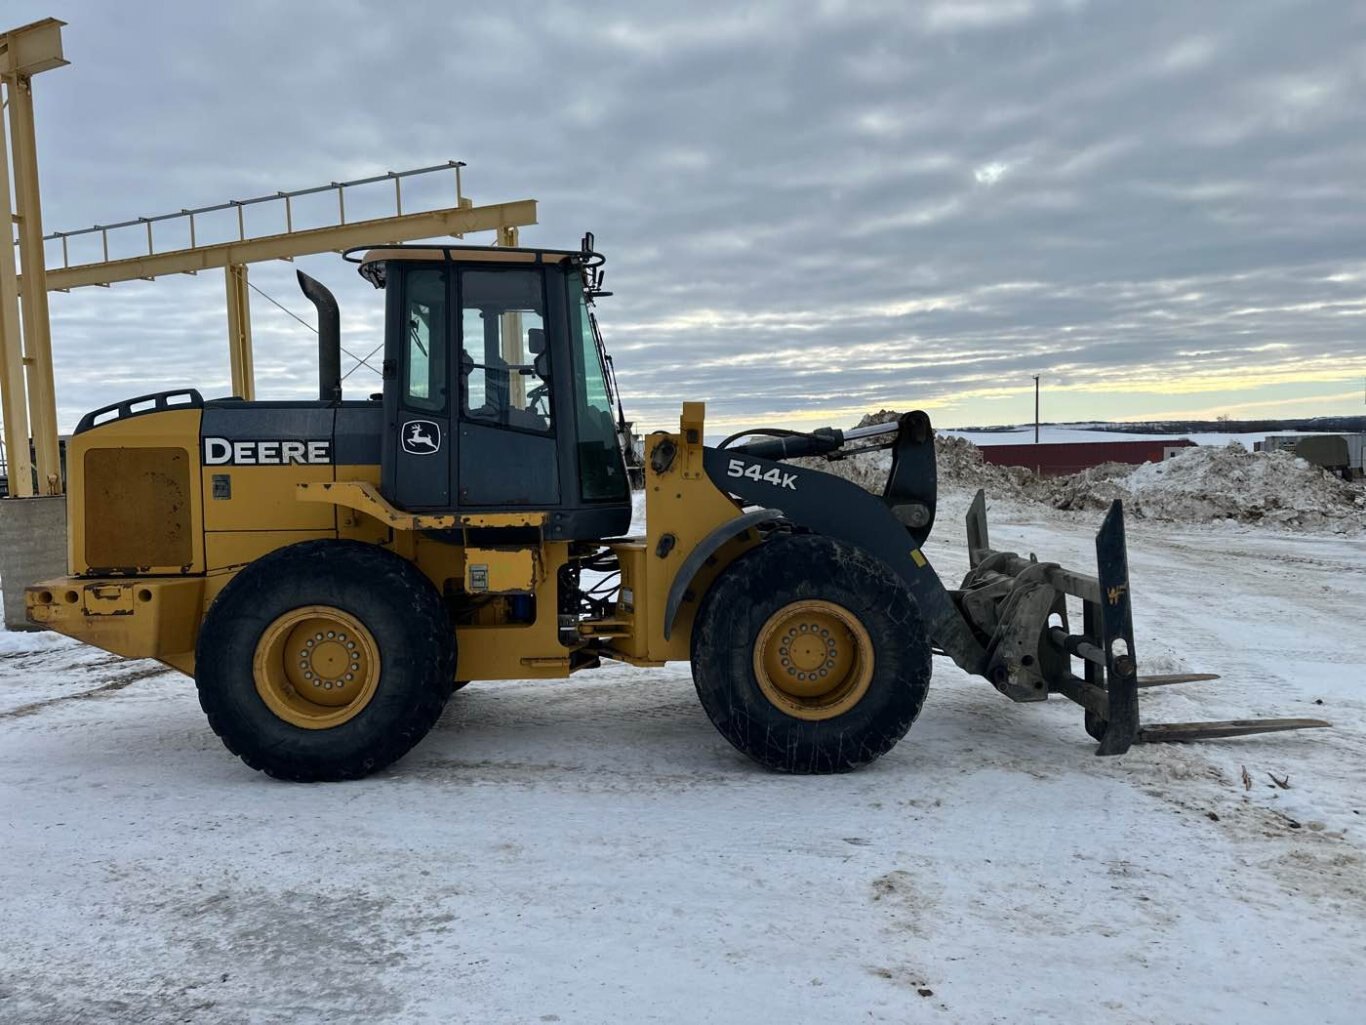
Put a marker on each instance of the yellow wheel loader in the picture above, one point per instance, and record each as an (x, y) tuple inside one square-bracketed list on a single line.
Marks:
[(330, 571)]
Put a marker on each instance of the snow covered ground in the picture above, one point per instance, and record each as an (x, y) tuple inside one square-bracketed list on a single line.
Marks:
[(592, 851)]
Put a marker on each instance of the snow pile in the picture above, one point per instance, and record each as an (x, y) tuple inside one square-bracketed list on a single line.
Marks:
[(960, 463), (882, 416), (963, 468), (1205, 484), (1093, 488), (1198, 485), (1232, 483)]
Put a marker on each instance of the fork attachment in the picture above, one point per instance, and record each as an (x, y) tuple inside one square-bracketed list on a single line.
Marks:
[(1019, 607)]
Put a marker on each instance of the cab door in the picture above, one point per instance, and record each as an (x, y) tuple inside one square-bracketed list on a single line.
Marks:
[(507, 455), (418, 400)]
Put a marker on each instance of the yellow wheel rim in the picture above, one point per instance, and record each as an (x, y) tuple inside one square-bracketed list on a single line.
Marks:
[(316, 667), (813, 659)]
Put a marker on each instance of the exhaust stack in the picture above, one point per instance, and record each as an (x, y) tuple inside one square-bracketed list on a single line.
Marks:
[(329, 337)]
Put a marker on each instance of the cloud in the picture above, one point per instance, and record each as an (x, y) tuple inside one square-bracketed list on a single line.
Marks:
[(990, 174), (808, 210)]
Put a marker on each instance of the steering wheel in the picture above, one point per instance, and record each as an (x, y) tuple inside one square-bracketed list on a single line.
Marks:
[(536, 396)]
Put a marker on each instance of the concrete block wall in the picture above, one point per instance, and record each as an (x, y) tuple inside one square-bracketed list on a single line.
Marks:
[(32, 548)]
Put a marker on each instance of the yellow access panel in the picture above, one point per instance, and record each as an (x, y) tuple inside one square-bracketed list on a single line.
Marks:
[(134, 503), (264, 497)]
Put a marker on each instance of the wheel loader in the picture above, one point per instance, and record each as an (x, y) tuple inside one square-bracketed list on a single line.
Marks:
[(330, 571)]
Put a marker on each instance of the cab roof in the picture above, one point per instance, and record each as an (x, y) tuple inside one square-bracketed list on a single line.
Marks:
[(372, 261)]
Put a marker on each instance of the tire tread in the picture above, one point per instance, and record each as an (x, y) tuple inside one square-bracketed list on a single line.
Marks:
[(791, 568), (391, 582)]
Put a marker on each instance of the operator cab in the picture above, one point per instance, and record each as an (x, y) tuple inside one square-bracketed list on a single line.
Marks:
[(497, 391)]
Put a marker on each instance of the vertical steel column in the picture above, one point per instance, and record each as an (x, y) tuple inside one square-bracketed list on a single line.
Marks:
[(514, 355), (239, 332), (33, 289), (13, 393), (512, 334)]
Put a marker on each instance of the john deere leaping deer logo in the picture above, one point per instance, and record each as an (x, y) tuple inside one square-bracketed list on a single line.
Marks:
[(421, 437)]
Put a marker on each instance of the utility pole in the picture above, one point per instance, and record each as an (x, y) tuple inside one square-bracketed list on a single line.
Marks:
[(1036, 409)]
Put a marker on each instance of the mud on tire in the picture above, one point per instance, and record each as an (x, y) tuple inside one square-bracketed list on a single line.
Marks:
[(808, 571), (403, 615)]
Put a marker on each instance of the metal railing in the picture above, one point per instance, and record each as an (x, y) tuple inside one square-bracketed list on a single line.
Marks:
[(240, 206)]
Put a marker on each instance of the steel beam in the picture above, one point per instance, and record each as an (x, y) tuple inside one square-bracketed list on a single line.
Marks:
[(32, 48), (408, 228), (13, 393), (239, 332), (42, 394)]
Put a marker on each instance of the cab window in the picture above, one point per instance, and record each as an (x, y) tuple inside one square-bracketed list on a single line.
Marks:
[(602, 473), (424, 385), (504, 359)]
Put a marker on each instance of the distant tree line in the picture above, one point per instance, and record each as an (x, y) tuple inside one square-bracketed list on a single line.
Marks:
[(1223, 425)]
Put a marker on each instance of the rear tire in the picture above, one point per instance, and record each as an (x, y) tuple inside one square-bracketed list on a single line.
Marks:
[(325, 660), (810, 656)]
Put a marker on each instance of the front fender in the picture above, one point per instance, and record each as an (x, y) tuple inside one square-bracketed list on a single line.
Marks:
[(837, 508), (705, 549)]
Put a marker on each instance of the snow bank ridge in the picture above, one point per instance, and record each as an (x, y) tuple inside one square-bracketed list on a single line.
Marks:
[(1200, 485)]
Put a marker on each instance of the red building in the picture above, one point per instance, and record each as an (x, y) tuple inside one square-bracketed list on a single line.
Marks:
[(1054, 459)]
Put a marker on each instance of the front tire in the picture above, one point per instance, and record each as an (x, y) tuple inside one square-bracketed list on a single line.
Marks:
[(810, 656), (325, 660)]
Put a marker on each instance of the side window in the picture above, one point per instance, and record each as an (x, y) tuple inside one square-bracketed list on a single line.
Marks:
[(504, 360), (424, 384), (601, 470)]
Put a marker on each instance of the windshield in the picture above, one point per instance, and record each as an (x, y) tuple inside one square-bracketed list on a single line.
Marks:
[(602, 472)]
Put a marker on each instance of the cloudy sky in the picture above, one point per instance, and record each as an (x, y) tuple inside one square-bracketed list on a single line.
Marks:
[(809, 209)]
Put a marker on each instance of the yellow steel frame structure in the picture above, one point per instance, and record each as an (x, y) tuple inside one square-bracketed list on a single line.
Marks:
[(233, 257), (25, 52), (239, 331), (291, 244)]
